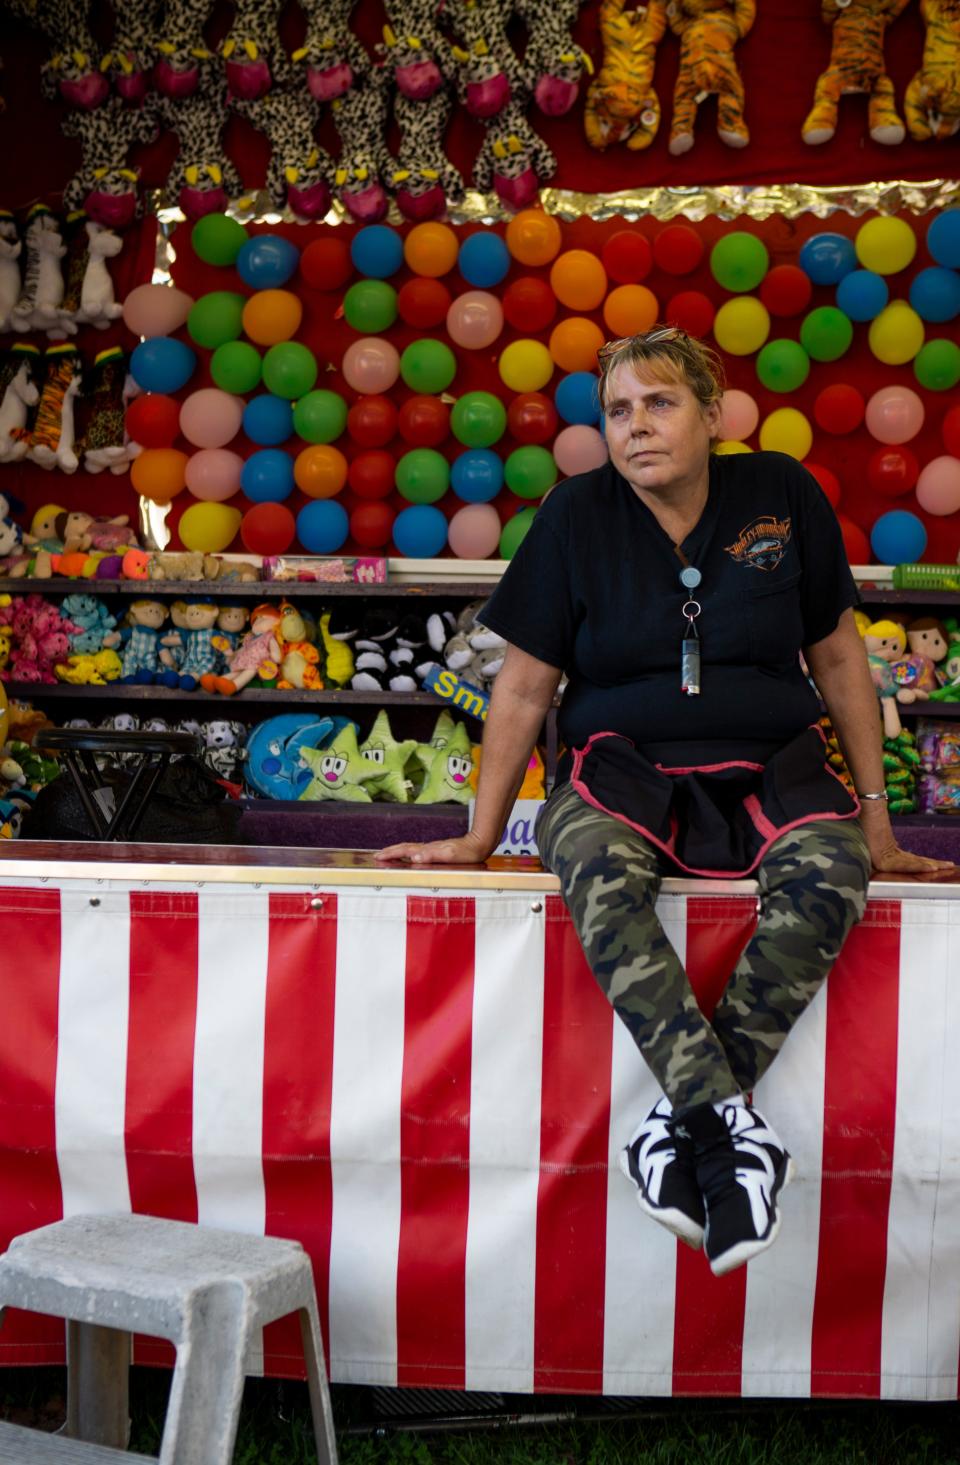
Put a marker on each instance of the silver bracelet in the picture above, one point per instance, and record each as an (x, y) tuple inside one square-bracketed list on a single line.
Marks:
[(884, 796)]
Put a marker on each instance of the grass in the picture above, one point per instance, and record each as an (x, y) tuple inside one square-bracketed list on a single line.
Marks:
[(275, 1429)]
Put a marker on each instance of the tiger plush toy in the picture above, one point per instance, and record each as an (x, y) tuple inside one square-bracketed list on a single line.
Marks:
[(621, 104), (856, 65), (709, 31), (932, 100)]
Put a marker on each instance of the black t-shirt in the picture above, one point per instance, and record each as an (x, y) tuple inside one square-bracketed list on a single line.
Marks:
[(594, 590)]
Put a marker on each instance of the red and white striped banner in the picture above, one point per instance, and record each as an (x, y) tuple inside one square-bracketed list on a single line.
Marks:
[(430, 1093)]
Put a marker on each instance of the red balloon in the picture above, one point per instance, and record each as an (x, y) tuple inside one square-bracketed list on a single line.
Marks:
[(951, 432), (372, 524), (424, 422), (372, 421), (627, 257), (893, 471), (153, 420), (692, 311), (532, 418), (678, 249), (786, 290), (423, 303), (839, 409), (529, 304), (326, 264), (855, 542), (371, 475), (268, 529), (827, 480)]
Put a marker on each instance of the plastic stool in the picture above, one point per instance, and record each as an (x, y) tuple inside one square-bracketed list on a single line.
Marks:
[(205, 1290)]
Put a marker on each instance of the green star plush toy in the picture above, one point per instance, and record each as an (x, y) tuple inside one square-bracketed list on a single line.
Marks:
[(447, 770), (339, 770), (387, 758)]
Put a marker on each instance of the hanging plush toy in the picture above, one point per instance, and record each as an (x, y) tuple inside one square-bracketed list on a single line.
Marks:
[(360, 118), (42, 290), (203, 179), (299, 172), (104, 186), (88, 298), (100, 417), (52, 434), (709, 31), (253, 58), (932, 100), (423, 178), (181, 55), (488, 74), (856, 66), (73, 70), (331, 56), (553, 59), (21, 374), (11, 246), (129, 59), (415, 54), (513, 159), (622, 105)]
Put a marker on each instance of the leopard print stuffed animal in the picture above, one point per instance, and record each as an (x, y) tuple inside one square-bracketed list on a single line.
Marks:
[(104, 185), (856, 65), (253, 58), (622, 105), (360, 118), (932, 101), (488, 73), (414, 52), (203, 179), (73, 70), (553, 59), (128, 61), (182, 59), (513, 159), (300, 172), (423, 178), (709, 31), (331, 56)]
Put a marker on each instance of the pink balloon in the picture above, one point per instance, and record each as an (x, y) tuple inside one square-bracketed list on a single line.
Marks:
[(938, 487), (210, 418), (156, 310), (371, 365), (213, 474), (579, 449), (894, 415), (475, 320), (739, 415), (475, 531)]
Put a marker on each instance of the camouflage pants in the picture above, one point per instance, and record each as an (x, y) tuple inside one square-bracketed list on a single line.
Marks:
[(813, 888)]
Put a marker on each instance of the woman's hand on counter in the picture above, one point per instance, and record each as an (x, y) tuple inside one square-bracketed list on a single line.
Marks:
[(467, 850)]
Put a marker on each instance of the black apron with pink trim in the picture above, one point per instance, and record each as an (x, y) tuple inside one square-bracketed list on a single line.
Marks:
[(718, 819)]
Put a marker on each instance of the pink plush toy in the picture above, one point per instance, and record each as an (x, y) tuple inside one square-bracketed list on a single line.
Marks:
[(331, 56), (360, 117), (40, 639)]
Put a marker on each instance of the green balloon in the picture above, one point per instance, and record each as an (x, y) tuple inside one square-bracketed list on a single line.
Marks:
[(739, 261), (370, 306), (826, 333), (515, 531), (479, 419), (428, 366), (216, 318), (320, 417), (423, 476), (937, 365), (217, 240), (289, 370), (783, 365), (236, 367), (530, 471)]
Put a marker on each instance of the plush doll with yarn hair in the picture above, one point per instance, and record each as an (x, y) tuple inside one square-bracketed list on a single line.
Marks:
[(359, 117), (11, 247), (42, 290), (621, 104), (181, 55), (128, 61), (73, 70), (300, 172), (709, 31), (931, 103), (331, 57), (553, 59), (203, 179), (513, 159), (104, 185), (52, 433), (253, 58), (856, 66)]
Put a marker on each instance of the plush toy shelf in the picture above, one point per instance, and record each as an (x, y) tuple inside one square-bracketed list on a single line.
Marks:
[(115, 691), (251, 589)]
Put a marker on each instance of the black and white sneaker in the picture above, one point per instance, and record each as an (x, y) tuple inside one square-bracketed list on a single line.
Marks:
[(661, 1165), (741, 1168)]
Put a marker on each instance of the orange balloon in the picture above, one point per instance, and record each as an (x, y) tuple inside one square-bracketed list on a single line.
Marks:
[(578, 279), (629, 309), (321, 471), (534, 237), (431, 249), (574, 344), (159, 474), (272, 316)]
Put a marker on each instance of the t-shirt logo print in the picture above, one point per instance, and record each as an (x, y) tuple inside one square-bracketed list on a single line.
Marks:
[(762, 544)]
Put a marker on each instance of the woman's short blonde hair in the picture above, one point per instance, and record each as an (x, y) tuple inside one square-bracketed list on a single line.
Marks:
[(672, 355)]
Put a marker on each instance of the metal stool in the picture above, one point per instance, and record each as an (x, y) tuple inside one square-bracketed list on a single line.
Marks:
[(77, 748), (203, 1289)]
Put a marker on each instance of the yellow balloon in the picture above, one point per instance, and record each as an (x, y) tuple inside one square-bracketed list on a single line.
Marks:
[(742, 325), (786, 431), (728, 447), (896, 334), (525, 366), (885, 246), (209, 527), (4, 715)]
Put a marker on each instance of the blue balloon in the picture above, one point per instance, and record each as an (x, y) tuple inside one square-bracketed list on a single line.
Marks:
[(268, 420), (826, 258), (862, 294), (322, 526), (377, 251), (943, 238), (935, 293), (484, 259), (419, 532), (267, 477), (577, 399), (162, 364), (898, 538), (477, 475), (267, 261)]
